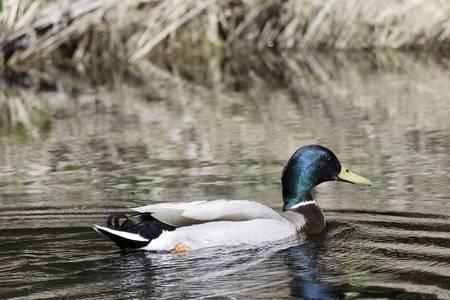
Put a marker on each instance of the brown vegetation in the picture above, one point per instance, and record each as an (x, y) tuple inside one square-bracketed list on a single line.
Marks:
[(92, 32)]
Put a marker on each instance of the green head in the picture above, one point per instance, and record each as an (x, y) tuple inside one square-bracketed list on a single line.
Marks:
[(309, 166)]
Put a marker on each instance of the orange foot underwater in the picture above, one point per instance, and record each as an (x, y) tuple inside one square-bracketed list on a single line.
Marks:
[(180, 248)]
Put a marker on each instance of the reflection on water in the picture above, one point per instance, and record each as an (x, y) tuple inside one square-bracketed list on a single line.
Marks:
[(71, 155)]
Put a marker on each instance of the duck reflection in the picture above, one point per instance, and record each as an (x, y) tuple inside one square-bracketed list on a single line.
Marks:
[(305, 273), (286, 270)]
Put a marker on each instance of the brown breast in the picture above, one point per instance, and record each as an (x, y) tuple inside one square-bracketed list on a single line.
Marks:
[(314, 219)]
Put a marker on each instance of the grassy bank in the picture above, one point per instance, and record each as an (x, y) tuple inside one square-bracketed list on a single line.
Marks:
[(85, 33)]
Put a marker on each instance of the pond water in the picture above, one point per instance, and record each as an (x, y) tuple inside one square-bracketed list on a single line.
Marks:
[(75, 150)]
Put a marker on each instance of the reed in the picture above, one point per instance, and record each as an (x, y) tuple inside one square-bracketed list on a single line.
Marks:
[(15, 14), (22, 115), (92, 32)]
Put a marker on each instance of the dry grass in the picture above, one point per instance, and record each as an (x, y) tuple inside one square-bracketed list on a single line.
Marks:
[(16, 14), (347, 24), (95, 32)]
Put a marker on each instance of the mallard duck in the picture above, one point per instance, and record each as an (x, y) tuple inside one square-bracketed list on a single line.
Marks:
[(185, 226)]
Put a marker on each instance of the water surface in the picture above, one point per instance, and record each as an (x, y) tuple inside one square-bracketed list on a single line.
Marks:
[(73, 152)]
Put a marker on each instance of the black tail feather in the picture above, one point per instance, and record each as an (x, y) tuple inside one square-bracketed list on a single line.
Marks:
[(123, 243), (146, 226)]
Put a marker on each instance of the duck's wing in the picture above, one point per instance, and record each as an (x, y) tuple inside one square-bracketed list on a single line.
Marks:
[(189, 213)]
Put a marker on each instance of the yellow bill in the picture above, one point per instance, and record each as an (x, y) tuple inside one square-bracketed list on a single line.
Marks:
[(348, 176)]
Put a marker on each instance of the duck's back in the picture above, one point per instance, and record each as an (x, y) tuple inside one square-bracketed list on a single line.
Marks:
[(189, 213)]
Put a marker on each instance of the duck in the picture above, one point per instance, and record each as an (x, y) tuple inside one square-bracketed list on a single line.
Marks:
[(179, 227)]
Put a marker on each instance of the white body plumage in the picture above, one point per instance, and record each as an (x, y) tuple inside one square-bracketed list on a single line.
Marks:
[(203, 224)]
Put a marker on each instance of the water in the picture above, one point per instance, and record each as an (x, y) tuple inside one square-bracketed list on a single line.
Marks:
[(73, 152)]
